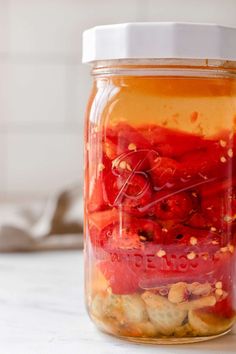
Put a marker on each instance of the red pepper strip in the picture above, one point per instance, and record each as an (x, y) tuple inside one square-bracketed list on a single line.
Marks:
[(217, 188), (172, 143), (103, 218), (123, 135), (170, 194)]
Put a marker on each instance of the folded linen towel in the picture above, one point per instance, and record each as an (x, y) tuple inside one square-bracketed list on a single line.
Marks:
[(54, 225)]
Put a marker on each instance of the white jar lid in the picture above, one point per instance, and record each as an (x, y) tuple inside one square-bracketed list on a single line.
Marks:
[(154, 40)]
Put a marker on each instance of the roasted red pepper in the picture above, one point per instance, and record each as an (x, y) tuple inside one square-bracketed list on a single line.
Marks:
[(162, 207)]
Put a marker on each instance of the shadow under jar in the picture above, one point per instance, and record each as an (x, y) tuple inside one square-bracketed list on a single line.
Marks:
[(160, 183)]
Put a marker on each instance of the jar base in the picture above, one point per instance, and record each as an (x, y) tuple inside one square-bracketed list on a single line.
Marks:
[(171, 341), (159, 340)]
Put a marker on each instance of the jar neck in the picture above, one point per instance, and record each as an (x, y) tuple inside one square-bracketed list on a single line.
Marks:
[(165, 67)]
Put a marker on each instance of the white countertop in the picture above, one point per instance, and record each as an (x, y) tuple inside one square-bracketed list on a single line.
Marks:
[(42, 311)]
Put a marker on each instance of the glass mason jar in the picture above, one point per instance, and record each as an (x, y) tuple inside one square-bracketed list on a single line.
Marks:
[(160, 194)]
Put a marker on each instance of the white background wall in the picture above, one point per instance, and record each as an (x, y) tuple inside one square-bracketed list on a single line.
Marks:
[(44, 87)]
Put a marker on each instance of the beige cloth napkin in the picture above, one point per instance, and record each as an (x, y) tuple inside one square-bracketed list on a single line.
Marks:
[(54, 225)]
